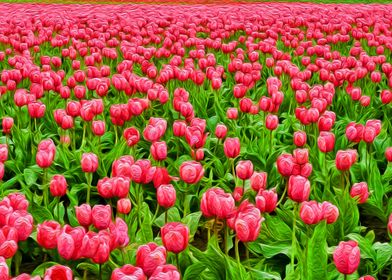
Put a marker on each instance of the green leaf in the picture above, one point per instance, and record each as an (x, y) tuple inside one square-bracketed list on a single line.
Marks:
[(41, 214), (93, 268), (193, 272), (383, 254), (317, 258), (31, 175), (192, 221), (172, 216), (40, 270)]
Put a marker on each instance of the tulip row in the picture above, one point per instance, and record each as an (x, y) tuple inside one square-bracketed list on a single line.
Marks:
[(197, 142)]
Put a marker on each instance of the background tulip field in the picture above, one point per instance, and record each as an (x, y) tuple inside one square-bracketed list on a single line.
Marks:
[(223, 141)]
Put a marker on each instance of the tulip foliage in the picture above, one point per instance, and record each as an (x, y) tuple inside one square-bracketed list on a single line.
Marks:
[(249, 141)]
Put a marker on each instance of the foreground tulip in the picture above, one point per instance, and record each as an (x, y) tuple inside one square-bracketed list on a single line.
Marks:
[(191, 172), (220, 131), (128, 272), (4, 270), (175, 237), (266, 200), (299, 138), (285, 164), (47, 234), (345, 159), (390, 224), (166, 272), (347, 257), (326, 141), (132, 136), (298, 188), (258, 181), (122, 167), (3, 153), (330, 212), (46, 153), (310, 212), (367, 277), (215, 202), (58, 272), (360, 191), (69, 242), (159, 150), (232, 147), (89, 162), (149, 257)]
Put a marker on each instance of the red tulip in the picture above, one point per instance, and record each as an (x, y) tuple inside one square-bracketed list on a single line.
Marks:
[(119, 234), (266, 200), (232, 147), (166, 195), (220, 131), (128, 272), (388, 154), (354, 132), (246, 222), (298, 188), (179, 128), (232, 113), (4, 271), (258, 181), (3, 153), (215, 202), (122, 166), (159, 150), (301, 156), (98, 128), (36, 109), (46, 153), (367, 277), (166, 272), (285, 164), (101, 216), (132, 136), (390, 224), (89, 162), (244, 169), (345, 159), (271, 122), (238, 193), (83, 214), (1, 171), (155, 129), (58, 272), (25, 276), (330, 212), (124, 205), (8, 249), (299, 138), (347, 257), (58, 185), (175, 237), (191, 172), (149, 257), (142, 171), (310, 212), (7, 122), (326, 141), (47, 234), (360, 191), (69, 242)]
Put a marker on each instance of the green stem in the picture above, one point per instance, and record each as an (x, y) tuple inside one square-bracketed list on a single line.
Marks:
[(226, 237), (233, 170), (166, 218), (84, 136), (237, 254), (100, 271), (156, 213), (282, 197), (89, 178), (293, 238), (85, 275), (45, 188), (177, 262)]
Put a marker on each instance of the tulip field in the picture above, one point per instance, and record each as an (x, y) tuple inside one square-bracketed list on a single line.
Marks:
[(222, 141)]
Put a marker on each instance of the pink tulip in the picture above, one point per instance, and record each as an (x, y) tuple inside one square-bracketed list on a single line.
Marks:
[(89, 162), (175, 237), (58, 272), (191, 172), (298, 188), (360, 191), (149, 257), (101, 216), (58, 185), (215, 202), (232, 147), (347, 257), (166, 195)]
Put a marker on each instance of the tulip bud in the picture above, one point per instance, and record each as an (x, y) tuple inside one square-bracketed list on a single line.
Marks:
[(388, 154), (232, 147), (301, 156), (58, 272), (149, 257), (298, 188), (47, 234), (175, 237), (347, 257), (159, 150), (83, 214), (299, 138), (58, 185), (232, 113), (285, 163), (330, 212), (258, 181), (122, 166), (98, 128), (166, 195), (128, 272), (46, 153), (1, 171), (360, 191), (191, 172), (310, 212), (266, 200), (326, 141), (124, 206), (220, 131), (216, 202), (179, 128), (271, 122), (89, 162), (345, 159), (101, 216), (166, 271), (390, 224), (7, 122), (4, 271), (367, 277), (244, 169), (3, 153), (132, 136), (238, 193)]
